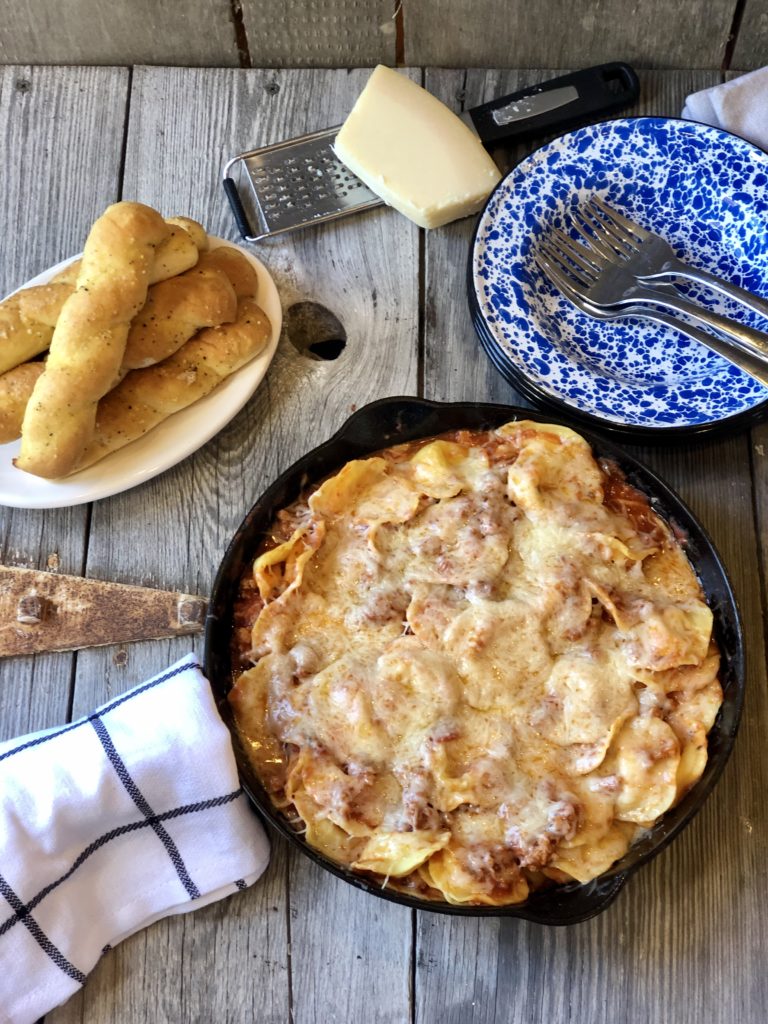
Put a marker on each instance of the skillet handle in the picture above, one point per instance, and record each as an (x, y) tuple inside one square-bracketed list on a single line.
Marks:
[(578, 904), (556, 105)]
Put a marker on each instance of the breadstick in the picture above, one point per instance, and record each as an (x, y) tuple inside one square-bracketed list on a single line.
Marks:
[(195, 230), (174, 311), (89, 339), (237, 267), (27, 319), (177, 253), (146, 397), (15, 388), (68, 275)]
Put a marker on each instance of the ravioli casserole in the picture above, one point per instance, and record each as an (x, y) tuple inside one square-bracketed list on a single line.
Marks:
[(475, 665)]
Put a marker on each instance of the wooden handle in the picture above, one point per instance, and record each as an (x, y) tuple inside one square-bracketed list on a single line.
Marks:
[(43, 611)]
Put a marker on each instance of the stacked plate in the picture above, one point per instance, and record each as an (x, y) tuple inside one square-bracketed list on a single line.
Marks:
[(702, 189)]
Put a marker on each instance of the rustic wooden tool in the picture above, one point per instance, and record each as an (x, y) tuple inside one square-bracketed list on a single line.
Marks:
[(43, 611)]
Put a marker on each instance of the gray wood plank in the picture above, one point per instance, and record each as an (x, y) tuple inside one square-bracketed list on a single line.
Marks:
[(759, 437), (309, 33), (563, 33), (194, 32), (61, 132), (455, 366), (351, 952), (315, 33), (174, 529), (685, 940), (759, 434), (751, 48)]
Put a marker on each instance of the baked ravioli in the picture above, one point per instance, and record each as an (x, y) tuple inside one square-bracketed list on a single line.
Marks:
[(475, 665)]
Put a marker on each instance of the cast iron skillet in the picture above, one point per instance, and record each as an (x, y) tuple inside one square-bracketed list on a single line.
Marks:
[(392, 421)]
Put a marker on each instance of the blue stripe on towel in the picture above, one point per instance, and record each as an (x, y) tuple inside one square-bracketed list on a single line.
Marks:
[(177, 812), (141, 802), (107, 708), (23, 914)]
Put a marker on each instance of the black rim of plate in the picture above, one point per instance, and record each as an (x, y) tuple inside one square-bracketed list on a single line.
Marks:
[(543, 399), (394, 420)]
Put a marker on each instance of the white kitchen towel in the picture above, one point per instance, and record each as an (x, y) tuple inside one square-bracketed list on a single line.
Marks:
[(739, 106), (125, 816)]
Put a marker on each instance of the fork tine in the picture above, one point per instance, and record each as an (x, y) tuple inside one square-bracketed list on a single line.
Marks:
[(552, 273), (592, 237), (621, 242), (581, 276), (587, 259), (593, 251), (619, 220), (563, 278), (562, 283)]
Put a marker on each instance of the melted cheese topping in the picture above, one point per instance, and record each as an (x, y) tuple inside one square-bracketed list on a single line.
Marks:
[(480, 665)]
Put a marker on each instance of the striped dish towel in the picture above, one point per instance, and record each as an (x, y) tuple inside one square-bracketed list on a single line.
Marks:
[(128, 815)]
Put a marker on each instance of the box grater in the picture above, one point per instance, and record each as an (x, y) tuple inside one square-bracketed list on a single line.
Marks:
[(300, 182)]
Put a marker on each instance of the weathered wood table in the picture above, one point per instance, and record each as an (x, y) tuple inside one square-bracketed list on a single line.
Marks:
[(687, 939)]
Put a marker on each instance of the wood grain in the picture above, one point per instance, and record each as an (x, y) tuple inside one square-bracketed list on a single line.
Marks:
[(173, 531), (684, 940), (61, 133), (315, 33), (137, 32), (751, 47), (564, 33), (455, 367)]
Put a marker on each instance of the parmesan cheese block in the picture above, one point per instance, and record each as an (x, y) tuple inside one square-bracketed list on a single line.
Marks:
[(415, 153)]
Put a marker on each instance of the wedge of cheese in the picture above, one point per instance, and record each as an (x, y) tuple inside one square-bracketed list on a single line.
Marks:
[(414, 152)]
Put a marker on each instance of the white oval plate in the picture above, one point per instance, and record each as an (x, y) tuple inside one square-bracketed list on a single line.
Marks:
[(168, 443)]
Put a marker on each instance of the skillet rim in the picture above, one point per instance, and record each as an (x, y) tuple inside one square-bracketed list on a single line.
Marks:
[(393, 420)]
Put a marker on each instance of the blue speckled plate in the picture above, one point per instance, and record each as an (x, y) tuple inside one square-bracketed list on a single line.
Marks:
[(706, 192)]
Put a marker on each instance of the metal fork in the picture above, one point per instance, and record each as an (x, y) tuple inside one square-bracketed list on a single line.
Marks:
[(595, 273), (744, 360), (651, 258)]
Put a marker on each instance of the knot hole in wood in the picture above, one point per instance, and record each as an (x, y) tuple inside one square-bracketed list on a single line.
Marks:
[(314, 331)]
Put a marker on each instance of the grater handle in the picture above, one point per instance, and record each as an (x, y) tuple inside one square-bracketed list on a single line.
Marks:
[(238, 210), (556, 105)]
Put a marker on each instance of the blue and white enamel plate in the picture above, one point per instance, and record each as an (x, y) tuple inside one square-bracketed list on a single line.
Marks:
[(703, 190)]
